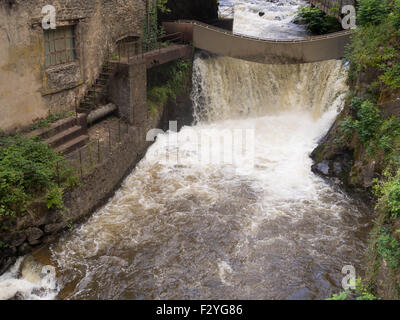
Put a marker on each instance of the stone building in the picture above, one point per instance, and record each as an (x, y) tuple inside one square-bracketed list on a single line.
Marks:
[(48, 71)]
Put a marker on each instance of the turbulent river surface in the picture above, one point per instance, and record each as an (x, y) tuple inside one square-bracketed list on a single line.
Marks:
[(196, 220)]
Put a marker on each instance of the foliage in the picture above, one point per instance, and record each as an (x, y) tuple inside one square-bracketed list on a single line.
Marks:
[(374, 75), (28, 170), (366, 124), (162, 6), (317, 21), (51, 118), (368, 121), (388, 247), (375, 47), (166, 82), (151, 29), (372, 11), (359, 293)]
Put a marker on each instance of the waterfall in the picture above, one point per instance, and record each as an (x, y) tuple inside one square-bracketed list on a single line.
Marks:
[(261, 227), (227, 88)]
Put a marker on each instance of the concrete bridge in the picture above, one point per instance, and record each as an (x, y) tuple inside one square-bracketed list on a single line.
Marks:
[(224, 42)]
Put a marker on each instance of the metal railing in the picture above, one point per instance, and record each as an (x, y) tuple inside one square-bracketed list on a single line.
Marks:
[(230, 33), (134, 50), (84, 160)]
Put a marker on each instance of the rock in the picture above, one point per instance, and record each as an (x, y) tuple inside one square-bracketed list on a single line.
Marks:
[(322, 167), (19, 238), (6, 263), (49, 239), (24, 249), (363, 174), (337, 168), (33, 234), (54, 228), (261, 14), (35, 242)]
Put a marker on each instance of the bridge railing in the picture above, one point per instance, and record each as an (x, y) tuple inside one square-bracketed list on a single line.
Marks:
[(230, 33), (133, 50)]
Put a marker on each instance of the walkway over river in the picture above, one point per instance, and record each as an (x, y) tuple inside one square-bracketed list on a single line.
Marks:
[(226, 43)]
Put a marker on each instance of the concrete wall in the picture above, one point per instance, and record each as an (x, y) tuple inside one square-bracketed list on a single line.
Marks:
[(128, 91), (226, 43), (269, 51), (27, 89), (42, 226)]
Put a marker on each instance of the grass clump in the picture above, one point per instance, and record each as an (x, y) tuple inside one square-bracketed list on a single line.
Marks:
[(51, 118), (166, 82), (317, 21), (29, 171), (359, 293)]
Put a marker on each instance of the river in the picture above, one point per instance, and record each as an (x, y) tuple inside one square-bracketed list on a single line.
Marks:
[(196, 221)]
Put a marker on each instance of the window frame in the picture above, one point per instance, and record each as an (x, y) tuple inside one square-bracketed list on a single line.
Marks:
[(69, 53)]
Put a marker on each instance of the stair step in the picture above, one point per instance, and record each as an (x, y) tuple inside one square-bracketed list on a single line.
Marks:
[(73, 144), (94, 90), (83, 110), (53, 129), (87, 103), (64, 136)]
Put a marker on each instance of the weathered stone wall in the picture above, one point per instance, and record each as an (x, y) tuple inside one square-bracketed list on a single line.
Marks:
[(41, 226), (28, 90)]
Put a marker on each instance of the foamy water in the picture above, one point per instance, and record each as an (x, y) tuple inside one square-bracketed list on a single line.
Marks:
[(275, 22), (260, 227)]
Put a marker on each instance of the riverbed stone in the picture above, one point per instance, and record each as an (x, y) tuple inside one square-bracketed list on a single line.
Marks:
[(33, 234), (337, 168), (323, 167), (54, 227), (5, 263), (24, 249), (18, 239)]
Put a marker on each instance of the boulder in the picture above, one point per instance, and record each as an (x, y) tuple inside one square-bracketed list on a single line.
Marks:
[(33, 234), (322, 168)]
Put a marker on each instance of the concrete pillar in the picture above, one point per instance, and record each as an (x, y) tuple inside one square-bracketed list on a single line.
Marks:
[(138, 92), (128, 91)]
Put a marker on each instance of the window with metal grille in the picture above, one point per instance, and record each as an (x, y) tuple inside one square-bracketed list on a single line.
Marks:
[(59, 45)]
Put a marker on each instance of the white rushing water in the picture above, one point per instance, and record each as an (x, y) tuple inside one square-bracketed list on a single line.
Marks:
[(265, 19), (261, 226)]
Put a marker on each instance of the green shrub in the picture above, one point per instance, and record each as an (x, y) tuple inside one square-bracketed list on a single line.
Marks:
[(368, 121), (372, 11), (356, 103), (395, 16), (359, 293), (27, 172), (166, 82), (347, 128), (51, 118), (391, 77), (317, 21), (388, 247)]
